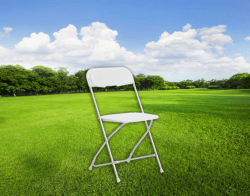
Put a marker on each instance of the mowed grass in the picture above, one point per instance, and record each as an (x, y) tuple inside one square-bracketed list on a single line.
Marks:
[(202, 137)]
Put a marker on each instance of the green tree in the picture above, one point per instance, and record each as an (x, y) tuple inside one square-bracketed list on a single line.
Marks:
[(62, 77), (140, 82), (246, 82), (81, 80), (237, 81), (14, 79), (154, 82), (185, 83), (141, 75), (3, 87), (71, 83), (46, 79), (200, 83)]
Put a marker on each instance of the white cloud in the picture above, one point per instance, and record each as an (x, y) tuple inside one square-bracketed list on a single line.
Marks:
[(194, 50), (247, 38), (35, 43), (186, 27), (7, 29), (189, 51), (98, 46), (179, 45), (212, 30), (97, 31), (218, 39), (66, 40), (6, 32), (3, 51)]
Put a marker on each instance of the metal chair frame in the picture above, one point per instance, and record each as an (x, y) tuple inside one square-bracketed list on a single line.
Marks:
[(113, 163)]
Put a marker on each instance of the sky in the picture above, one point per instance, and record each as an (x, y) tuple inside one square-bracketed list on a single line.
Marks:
[(178, 40)]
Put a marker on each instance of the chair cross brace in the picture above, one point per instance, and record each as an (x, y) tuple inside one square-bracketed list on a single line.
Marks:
[(132, 152)]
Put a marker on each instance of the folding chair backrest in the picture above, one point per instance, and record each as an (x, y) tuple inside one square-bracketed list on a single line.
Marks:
[(110, 76), (115, 76)]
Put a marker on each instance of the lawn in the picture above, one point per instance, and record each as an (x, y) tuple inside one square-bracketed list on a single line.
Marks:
[(202, 137)]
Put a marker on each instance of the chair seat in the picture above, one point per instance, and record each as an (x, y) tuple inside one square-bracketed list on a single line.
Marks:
[(129, 117)]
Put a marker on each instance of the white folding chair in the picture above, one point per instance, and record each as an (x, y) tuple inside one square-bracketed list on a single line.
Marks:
[(118, 76)]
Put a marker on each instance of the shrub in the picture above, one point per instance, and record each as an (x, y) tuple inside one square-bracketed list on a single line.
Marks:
[(169, 88), (213, 87), (175, 87), (190, 87), (164, 88)]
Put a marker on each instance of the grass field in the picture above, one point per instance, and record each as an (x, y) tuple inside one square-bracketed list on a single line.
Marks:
[(202, 136)]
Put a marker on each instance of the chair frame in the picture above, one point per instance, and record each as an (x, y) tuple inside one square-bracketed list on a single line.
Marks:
[(113, 163)]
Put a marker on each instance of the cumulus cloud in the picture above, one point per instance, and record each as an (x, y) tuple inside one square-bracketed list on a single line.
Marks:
[(3, 51), (218, 39), (194, 50), (6, 32), (66, 40), (247, 38), (97, 46), (186, 27), (212, 30), (97, 31), (35, 43), (215, 37), (189, 50), (179, 45)]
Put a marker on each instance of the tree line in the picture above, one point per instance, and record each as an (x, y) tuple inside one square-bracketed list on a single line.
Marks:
[(16, 80), (237, 81)]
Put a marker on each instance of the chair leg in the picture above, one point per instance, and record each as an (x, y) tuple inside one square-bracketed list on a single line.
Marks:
[(110, 154), (157, 157), (113, 163), (94, 159), (144, 135)]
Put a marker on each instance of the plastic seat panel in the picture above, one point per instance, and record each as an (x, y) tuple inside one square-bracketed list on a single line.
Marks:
[(129, 117)]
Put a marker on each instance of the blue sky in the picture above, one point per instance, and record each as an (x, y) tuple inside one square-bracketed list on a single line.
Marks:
[(202, 39)]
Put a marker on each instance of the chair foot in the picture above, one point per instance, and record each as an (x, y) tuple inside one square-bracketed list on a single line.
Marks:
[(161, 170), (118, 180), (90, 168)]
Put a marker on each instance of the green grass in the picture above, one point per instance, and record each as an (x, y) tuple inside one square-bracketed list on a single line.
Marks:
[(202, 136)]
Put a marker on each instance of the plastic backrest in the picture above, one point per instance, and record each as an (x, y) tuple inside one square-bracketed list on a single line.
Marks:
[(114, 76)]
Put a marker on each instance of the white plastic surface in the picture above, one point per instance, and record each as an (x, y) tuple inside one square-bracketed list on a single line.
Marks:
[(118, 76), (113, 76), (129, 117)]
